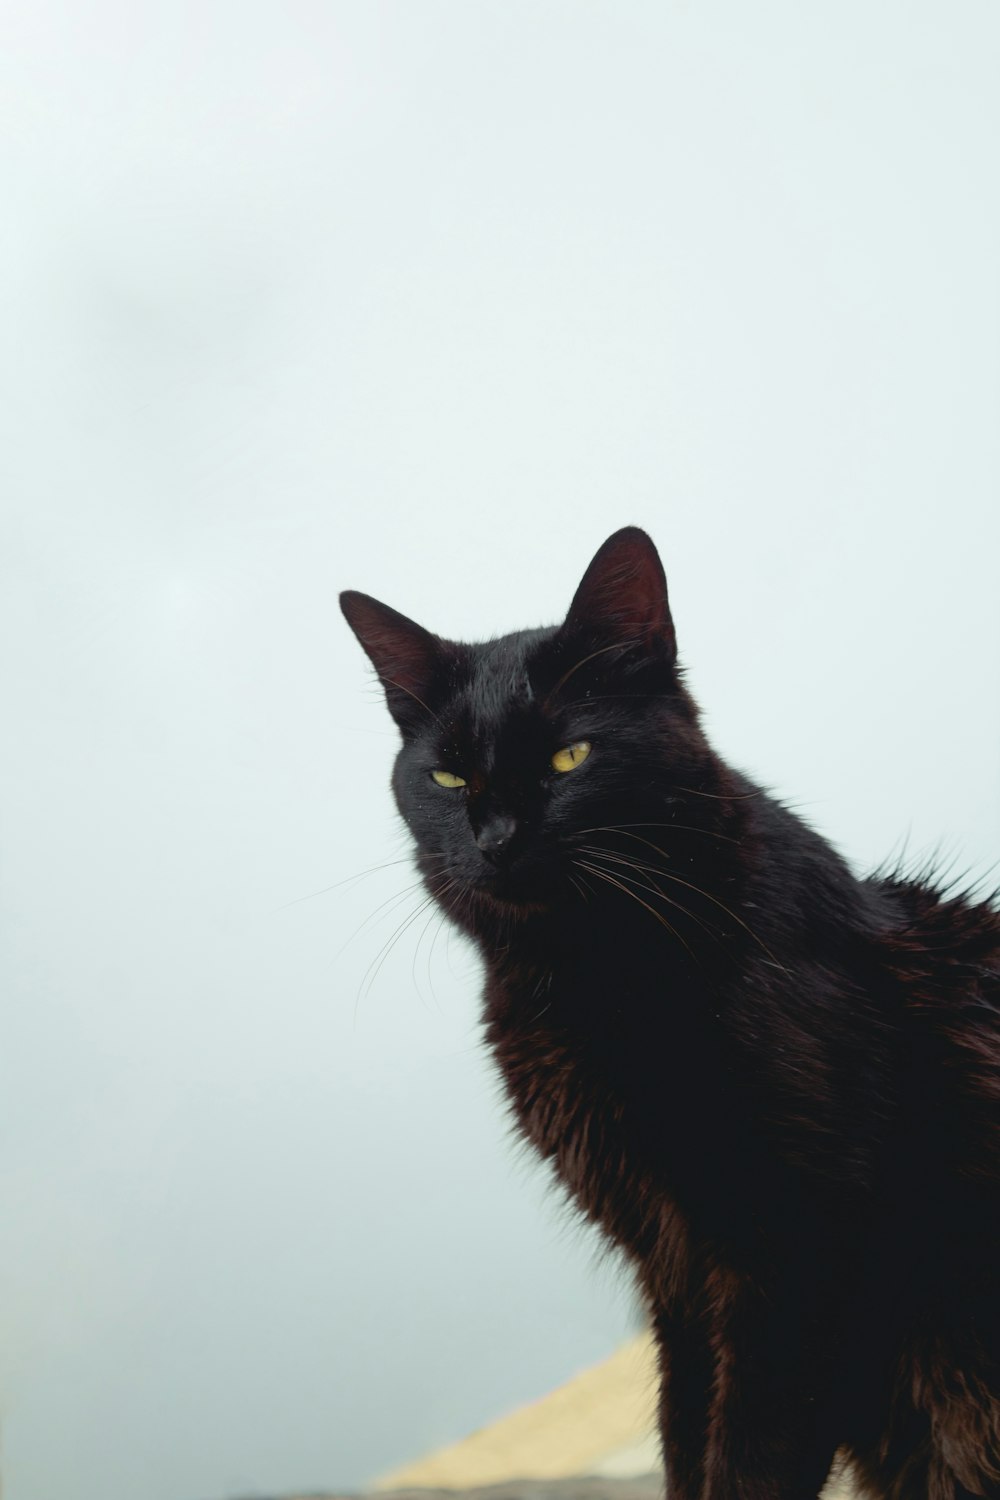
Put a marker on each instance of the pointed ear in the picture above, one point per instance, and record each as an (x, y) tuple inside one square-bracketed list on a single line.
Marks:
[(623, 597), (408, 659)]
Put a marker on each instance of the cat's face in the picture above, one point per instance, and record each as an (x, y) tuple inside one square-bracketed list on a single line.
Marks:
[(516, 751)]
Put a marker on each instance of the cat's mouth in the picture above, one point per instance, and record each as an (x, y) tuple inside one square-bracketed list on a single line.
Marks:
[(515, 889), (534, 882), (510, 891)]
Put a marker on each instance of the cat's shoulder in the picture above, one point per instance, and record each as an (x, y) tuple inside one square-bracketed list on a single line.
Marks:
[(926, 906), (944, 943)]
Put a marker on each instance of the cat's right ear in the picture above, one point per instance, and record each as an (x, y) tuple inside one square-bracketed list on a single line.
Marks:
[(622, 600), (408, 658)]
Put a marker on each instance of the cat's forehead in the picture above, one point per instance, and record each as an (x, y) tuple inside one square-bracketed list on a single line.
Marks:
[(498, 684), (499, 693)]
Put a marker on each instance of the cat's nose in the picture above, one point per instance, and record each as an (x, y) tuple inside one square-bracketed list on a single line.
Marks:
[(495, 835)]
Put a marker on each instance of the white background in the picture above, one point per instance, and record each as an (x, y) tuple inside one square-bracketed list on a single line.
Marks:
[(424, 299)]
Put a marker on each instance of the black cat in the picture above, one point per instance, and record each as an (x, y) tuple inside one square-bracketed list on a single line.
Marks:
[(775, 1086)]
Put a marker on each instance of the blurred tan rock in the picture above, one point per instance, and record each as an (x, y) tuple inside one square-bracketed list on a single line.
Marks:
[(600, 1425), (606, 1408)]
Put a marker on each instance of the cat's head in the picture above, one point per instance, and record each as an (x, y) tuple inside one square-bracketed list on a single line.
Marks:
[(518, 750)]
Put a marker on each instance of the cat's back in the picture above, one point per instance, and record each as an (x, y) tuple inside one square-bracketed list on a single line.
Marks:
[(944, 954), (944, 950), (934, 1283)]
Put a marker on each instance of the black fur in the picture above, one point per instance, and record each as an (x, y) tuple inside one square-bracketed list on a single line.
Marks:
[(775, 1086)]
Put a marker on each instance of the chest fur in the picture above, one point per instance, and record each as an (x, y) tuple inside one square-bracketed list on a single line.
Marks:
[(593, 1099)]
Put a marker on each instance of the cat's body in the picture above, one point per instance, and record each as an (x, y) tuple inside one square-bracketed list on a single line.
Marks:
[(774, 1086)]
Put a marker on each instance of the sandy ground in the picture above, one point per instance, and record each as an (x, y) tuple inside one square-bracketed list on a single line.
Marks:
[(597, 1431), (583, 1425)]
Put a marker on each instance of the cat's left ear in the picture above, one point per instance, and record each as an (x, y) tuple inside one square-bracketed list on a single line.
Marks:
[(409, 660), (622, 599)]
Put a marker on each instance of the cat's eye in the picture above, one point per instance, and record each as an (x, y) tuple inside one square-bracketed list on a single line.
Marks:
[(571, 756), (445, 778)]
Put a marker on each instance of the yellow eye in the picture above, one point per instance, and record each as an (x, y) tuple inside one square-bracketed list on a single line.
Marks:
[(445, 778), (571, 757)]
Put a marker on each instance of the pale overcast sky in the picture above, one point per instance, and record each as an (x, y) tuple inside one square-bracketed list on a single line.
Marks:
[(424, 299)]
